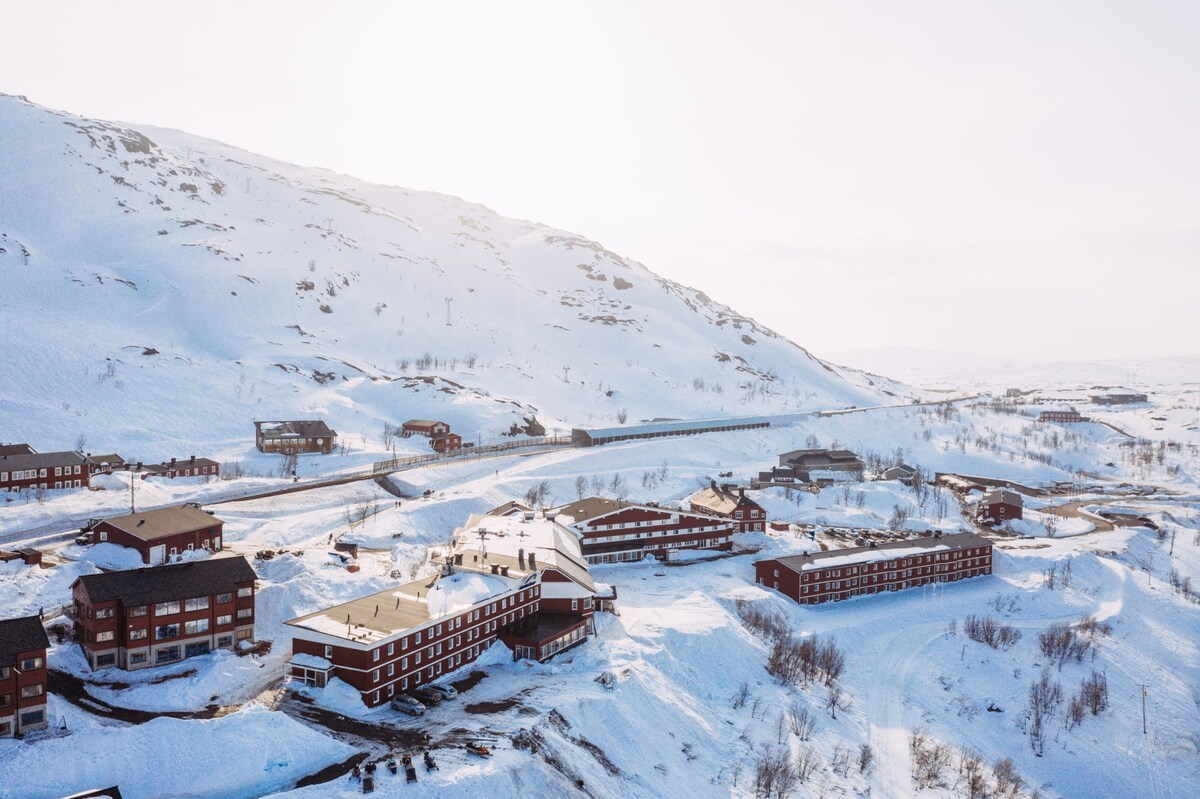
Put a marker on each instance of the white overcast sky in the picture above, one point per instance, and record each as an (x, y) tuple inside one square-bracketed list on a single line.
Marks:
[(1010, 177)]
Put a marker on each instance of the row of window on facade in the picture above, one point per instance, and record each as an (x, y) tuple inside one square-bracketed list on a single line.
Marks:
[(35, 474)]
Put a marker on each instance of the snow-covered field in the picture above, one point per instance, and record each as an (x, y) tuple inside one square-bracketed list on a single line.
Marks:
[(678, 653)]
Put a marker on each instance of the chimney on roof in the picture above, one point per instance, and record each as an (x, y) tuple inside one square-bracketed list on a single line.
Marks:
[(742, 493), (193, 457), (376, 609), (521, 557), (503, 571), (141, 522), (712, 484), (532, 563), (495, 568), (172, 461)]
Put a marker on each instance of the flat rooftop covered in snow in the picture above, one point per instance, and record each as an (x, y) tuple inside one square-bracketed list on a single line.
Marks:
[(886, 551), (392, 611)]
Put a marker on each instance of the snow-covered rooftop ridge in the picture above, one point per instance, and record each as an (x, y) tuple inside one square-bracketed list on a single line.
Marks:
[(508, 542), (884, 551)]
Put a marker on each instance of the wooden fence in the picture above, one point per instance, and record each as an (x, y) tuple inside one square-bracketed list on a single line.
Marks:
[(469, 453)]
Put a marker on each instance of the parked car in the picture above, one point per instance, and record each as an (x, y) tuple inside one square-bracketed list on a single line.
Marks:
[(407, 704), (447, 691), (428, 695), (84, 539)]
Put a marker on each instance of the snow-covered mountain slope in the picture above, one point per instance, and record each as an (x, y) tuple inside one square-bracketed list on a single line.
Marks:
[(170, 289)]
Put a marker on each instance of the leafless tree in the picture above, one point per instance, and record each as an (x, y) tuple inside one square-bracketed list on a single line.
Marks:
[(801, 720)]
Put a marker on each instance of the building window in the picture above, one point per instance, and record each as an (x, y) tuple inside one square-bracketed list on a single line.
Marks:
[(245, 635), (166, 608), (166, 654), (31, 664), (391, 648), (226, 619), (245, 592), (375, 655), (101, 637), (106, 660), (165, 631), (223, 598), (197, 603), (225, 640), (245, 613), (104, 613), (196, 627), (138, 634), (33, 717), (375, 676), (30, 691), (391, 669), (137, 658), (328, 651), (140, 610)]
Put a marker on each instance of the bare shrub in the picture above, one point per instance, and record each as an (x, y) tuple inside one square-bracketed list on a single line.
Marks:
[(767, 622), (987, 630), (740, 696), (807, 761), (1008, 782), (1060, 644), (801, 720), (774, 775), (929, 759), (1045, 695), (804, 661), (866, 758), (839, 761)]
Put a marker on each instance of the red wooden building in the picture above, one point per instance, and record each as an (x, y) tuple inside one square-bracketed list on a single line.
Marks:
[(611, 531), (446, 442), (150, 617), (998, 506), (45, 470), (505, 579), (23, 645), (1063, 415), (424, 427), (839, 574), (192, 467), (159, 535), (730, 502)]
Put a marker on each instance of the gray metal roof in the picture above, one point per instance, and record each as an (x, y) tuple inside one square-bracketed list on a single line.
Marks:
[(40, 460), (21, 635), (165, 583)]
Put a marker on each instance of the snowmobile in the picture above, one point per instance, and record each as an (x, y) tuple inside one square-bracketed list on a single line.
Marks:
[(430, 763), (479, 749)]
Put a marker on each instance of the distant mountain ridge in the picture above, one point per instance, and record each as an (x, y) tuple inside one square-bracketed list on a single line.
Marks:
[(170, 289)]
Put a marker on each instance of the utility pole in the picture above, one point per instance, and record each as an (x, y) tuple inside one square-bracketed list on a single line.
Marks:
[(1143, 686), (448, 301), (1172, 550), (132, 503), (566, 373)]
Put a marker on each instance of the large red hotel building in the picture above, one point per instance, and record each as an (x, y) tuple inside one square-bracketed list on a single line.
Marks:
[(519, 579), (843, 573)]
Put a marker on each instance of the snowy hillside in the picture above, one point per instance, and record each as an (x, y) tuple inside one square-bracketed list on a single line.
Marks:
[(169, 289)]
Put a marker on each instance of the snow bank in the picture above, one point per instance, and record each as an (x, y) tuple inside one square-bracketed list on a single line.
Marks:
[(239, 756)]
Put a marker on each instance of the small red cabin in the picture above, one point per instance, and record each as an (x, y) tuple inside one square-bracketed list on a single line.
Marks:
[(424, 427), (448, 442)]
